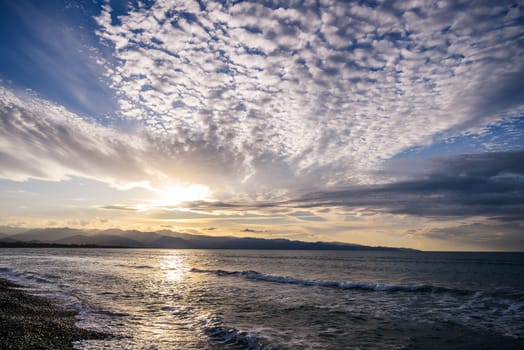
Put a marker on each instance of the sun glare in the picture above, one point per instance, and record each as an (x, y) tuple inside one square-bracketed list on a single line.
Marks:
[(176, 194), (173, 267)]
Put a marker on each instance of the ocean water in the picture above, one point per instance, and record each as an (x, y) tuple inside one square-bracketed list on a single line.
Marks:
[(246, 299)]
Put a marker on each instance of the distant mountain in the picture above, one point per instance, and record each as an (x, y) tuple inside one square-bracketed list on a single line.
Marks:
[(172, 242), (6, 238), (11, 230), (4, 244), (139, 236), (45, 234), (168, 239), (101, 240)]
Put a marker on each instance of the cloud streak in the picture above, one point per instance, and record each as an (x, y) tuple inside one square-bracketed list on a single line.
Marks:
[(42, 140), (488, 185), (505, 236)]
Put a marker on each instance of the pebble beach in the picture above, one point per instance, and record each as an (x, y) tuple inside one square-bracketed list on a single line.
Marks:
[(32, 322)]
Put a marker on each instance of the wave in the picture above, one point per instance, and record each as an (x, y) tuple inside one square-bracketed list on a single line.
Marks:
[(7, 272), (376, 287), (135, 266), (227, 337), (232, 338), (27, 275)]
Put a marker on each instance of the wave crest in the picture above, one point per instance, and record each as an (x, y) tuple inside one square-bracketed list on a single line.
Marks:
[(376, 287)]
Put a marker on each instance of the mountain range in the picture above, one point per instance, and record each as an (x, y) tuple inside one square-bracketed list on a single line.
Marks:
[(164, 239)]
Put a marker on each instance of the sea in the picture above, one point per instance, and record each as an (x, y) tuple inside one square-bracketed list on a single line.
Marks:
[(275, 299)]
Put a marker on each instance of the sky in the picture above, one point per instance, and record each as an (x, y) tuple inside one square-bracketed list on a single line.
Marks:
[(392, 123)]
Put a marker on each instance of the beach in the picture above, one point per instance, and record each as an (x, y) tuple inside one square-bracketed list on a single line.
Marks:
[(32, 322)]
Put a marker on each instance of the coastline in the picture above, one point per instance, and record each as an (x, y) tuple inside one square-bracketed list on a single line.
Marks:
[(33, 322)]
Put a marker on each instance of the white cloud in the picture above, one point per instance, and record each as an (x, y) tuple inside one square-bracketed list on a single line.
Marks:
[(45, 141), (328, 92), (42, 140)]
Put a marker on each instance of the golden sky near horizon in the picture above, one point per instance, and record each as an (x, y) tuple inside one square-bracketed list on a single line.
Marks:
[(387, 123)]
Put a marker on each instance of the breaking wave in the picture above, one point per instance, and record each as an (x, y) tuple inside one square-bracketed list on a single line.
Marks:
[(232, 338), (376, 287)]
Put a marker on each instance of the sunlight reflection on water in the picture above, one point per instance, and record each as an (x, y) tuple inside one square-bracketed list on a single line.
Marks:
[(173, 267)]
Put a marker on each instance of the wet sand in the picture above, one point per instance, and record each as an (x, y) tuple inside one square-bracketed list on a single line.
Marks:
[(32, 322)]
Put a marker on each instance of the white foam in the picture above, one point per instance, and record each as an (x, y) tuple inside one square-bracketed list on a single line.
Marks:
[(379, 287)]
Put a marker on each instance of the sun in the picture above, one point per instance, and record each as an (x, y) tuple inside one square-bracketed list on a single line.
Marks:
[(176, 194)]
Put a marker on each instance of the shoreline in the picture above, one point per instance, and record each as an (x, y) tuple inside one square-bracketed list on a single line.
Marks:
[(34, 322)]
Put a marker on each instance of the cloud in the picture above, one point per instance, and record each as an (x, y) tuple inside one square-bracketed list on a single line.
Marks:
[(118, 207), (507, 236), (46, 47), (315, 93), (306, 215), (250, 230), (489, 185), (45, 141), (42, 140)]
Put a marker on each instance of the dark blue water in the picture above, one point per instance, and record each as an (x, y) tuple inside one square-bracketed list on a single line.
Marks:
[(223, 299)]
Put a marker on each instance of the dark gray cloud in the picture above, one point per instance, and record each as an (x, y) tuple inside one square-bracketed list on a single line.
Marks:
[(506, 236), (489, 185), (118, 207), (250, 230)]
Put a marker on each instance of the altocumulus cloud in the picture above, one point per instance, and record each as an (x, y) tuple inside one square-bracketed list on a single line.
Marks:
[(268, 98), (319, 92)]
